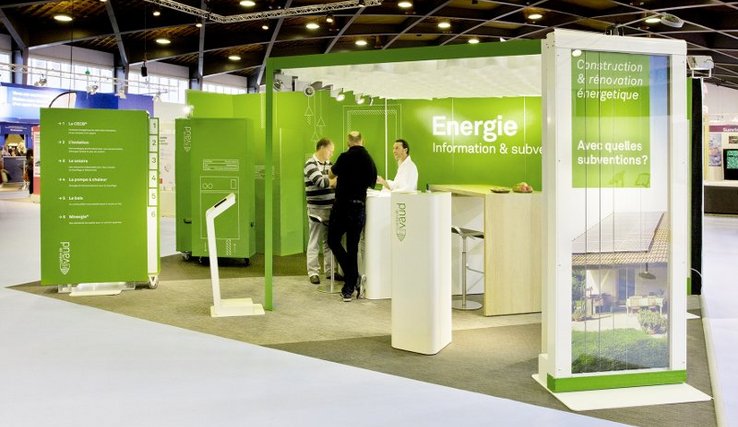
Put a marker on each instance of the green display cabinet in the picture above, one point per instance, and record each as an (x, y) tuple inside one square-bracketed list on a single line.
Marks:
[(214, 157)]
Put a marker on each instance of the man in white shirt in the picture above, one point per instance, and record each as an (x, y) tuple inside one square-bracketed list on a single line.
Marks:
[(407, 173)]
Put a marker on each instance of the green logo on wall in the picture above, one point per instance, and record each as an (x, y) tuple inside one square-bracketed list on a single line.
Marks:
[(400, 221)]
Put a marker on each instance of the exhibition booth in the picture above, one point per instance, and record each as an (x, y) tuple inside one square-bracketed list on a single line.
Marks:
[(595, 239)]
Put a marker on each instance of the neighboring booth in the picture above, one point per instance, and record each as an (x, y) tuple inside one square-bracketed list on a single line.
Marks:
[(721, 169), (615, 220)]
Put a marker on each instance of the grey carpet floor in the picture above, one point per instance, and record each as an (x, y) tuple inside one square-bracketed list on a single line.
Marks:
[(490, 355)]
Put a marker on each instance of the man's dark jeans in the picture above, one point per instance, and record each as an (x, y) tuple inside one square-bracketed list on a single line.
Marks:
[(347, 218)]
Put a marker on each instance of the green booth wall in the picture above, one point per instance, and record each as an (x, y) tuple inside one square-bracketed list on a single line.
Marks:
[(495, 141)]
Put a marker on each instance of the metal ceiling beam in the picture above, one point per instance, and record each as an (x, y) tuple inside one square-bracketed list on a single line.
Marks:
[(268, 50), (343, 30), (270, 14), (116, 31), (417, 21), (22, 44), (201, 49)]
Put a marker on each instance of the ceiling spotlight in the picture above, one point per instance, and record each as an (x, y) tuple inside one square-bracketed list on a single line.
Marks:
[(156, 12), (361, 3), (359, 99), (473, 40), (653, 20), (199, 25), (405, 4), (62, 18), (163, 41), (41, 82), (92, 89), (340, 97), (576, 53), (329, 18), (671, 20), (121, 94), (248, 3), (234, 58), (444, 25), (360, 42), (312, 26), (144, 70), (535, 16), (103, 1), (157, 97), (265, 26)]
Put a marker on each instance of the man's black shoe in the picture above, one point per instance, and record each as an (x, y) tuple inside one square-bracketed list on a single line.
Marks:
[(336, 276), (346, 297), (314, 279)]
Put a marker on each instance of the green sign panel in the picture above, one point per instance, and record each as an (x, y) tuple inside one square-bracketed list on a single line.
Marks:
[(99, 217), (610, 120), (213, 159)]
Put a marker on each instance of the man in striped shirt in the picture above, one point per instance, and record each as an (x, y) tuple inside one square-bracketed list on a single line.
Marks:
[(320, 193)]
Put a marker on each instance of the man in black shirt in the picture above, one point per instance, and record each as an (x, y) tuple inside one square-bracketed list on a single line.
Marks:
[(356, 172)]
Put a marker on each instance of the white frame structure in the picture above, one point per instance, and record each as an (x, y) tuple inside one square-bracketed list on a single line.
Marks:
[(556, 358)]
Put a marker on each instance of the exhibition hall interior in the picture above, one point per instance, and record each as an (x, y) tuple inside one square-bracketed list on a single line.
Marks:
[(375, 212)]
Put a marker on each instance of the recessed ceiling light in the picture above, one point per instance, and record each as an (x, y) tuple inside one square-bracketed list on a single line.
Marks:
[(653, 20), (63, 18), (265, 27), (444, 25), (156, 12), (473, 40), (199, 25), (163, 41), (234, 58), (405, 4), (534, 16), (248, 3), (312, 26), (329, 19), (360, 42)]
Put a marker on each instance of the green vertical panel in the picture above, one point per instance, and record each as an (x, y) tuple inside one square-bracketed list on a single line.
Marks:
[(94, 203), (370, 121), (210, 105), (291, 193), (217, 170), (610, 120), (183, 203)]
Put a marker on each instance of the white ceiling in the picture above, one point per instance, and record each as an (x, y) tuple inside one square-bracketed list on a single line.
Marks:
[(484, 77)]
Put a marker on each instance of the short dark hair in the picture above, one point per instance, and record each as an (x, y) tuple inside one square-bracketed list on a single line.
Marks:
[(322, 142), (405, 145)]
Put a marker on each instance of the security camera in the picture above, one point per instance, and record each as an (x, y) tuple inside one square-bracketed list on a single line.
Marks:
[(700, 62)]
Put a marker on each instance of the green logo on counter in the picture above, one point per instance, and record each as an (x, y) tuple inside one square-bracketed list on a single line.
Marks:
[(65, 255), (400, 221)]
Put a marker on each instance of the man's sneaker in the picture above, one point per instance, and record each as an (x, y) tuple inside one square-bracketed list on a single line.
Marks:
[(336, 276), (361, 287), (315, 279), (346, 297)]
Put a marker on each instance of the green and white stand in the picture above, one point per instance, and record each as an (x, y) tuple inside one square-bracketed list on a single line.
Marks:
[(616, 156), (232, 306)]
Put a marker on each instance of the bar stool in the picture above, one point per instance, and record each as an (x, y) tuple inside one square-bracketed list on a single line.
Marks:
[(465, 233), (329, 289)]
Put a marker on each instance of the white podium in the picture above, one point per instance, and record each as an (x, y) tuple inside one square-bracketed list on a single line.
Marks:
[(223, 307), (421, 271), (377, 245)]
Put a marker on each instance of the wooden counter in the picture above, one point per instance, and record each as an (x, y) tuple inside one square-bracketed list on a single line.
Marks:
[(512, 248)]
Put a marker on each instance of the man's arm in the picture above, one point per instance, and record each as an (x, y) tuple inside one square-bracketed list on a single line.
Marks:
[(315, 176)]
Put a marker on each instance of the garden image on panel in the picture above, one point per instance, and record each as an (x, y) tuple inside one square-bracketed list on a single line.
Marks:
[(619, 318)]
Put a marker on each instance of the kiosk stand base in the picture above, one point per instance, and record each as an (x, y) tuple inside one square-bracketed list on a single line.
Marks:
[(97, 288), (236, 307)]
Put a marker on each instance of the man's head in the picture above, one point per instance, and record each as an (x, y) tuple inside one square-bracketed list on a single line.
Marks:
[(324, 149), (354, 138), (401, 150)]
